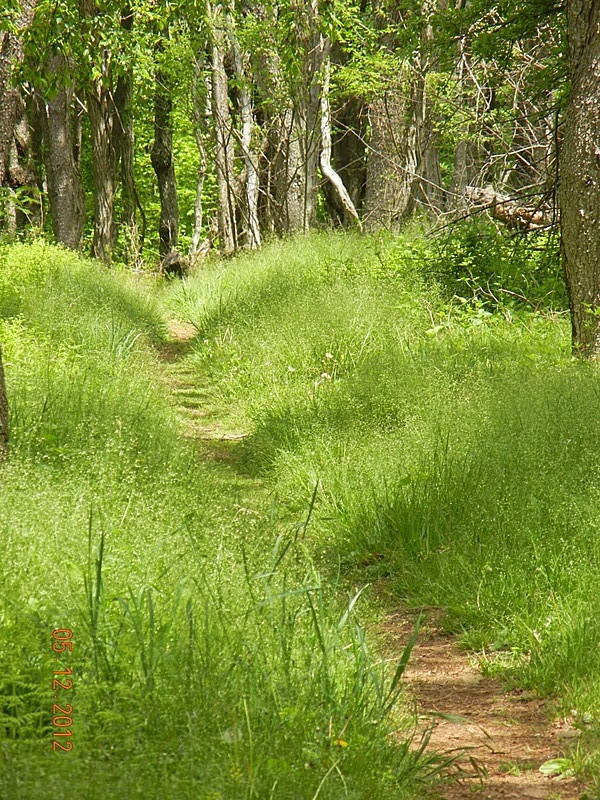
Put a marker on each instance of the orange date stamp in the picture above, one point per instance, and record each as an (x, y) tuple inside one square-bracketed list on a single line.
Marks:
[(62, 714)]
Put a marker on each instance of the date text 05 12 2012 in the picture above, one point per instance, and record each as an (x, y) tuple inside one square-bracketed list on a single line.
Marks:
[(62, 715)]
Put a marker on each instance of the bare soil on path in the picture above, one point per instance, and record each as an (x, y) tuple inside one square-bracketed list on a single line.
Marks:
[(189, 395), (505, 735), (502, 736)]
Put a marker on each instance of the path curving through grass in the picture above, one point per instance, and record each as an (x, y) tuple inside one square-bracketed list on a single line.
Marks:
[(502, 736)]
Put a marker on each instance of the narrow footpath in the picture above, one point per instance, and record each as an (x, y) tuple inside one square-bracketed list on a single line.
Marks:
[(191, 398), (503, 737)]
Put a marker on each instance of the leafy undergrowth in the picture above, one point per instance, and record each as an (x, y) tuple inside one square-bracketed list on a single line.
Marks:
[(211, 659), (455, 441)]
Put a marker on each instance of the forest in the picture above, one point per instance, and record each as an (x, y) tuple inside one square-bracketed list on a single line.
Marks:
[(299, 341)]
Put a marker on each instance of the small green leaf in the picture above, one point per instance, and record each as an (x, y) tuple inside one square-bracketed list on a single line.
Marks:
[(557, 766)]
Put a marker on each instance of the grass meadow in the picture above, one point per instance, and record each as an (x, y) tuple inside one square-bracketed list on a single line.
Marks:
[(416, 433), (212, 658)]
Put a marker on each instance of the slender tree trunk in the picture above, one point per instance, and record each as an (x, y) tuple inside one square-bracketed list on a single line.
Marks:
[(579, 193), (65, 190), (162, 161), (429, 190), (310, 150), (124, 145), (224, 144), (200, 243), (308, 110), (3, 413), (36, 115), (201, 111), (252, 181)]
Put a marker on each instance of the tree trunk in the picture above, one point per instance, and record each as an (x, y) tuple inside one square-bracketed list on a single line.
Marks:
[(11, 54), (391, 159), (224, 149), (21, 177), (162, 161), (286, 172), (101, 115), (201, 111), (252, 182), (36, 115), (579, 192), (3, 413), (125, 153), (467, 161), (65, 190), (310, 149), (308, 110), (125, 147), (286, 203), (429, 189), (103, 171), (392, 147)]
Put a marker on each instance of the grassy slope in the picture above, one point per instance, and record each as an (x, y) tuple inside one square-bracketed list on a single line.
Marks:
[(456, 451), (457, 463), (211, 659)]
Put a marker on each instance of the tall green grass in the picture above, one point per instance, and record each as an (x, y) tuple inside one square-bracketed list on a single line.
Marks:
[(454, 439), (213, 657), (219, 650)]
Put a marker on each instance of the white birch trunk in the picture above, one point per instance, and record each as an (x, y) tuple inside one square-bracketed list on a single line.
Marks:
[(252, 182), (326, 168)]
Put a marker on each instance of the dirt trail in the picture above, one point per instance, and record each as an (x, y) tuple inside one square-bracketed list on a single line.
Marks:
[(190, 397), (507, 733)]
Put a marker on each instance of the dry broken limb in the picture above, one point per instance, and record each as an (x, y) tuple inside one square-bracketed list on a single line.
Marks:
[(326, 167), (509, 210)]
